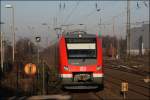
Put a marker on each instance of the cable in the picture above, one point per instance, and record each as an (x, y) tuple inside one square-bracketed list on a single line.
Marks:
[(68, 17), (92, 12), (146, 5), (124, 12), (85, 16)]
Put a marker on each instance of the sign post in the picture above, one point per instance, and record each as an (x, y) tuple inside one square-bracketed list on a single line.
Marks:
[(38, 40), (124, 89), (31, 69)]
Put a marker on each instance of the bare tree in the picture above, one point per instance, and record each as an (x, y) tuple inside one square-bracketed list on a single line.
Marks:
[(25, 50)]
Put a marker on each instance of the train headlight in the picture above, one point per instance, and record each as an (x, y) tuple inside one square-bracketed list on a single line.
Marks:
[(80, 35), (99, 68), (66, 68)]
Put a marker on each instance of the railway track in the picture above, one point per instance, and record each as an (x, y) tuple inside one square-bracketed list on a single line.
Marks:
[(117, 72), (98, 96), (76, 95), (141, 60), (131, 82), (63, 95), (112, 86), (126, 69), (84, 94), (135, 87), (130, 94), (133, 64)]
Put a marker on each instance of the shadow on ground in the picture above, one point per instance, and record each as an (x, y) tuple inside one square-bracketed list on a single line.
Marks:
[(6, 92)]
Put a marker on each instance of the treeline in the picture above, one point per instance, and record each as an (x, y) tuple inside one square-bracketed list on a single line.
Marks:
[(109, 42), (26, 51)]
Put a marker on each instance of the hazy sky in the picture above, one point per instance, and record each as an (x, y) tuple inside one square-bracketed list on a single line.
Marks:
[(33, 13)]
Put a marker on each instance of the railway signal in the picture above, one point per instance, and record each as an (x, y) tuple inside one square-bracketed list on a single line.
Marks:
[(99, 33), (38, 39)]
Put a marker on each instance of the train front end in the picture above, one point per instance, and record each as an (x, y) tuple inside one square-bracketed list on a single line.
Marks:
[(80, 58)]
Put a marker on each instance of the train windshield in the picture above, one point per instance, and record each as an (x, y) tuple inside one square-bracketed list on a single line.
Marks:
[(81, 48)]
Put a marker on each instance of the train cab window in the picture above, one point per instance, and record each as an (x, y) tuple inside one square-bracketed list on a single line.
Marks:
[(81, 48), (81, 53), (80, 40)]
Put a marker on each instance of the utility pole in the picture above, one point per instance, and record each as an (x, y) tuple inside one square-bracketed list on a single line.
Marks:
[(100, 23), (13, 31), (45, 24), (13, 34), (43, 77), (2, 51), (2, 47), (114, 25), (113, 47), (58, 33), (98, 10), (38, 39), (118, 48), (13, 28), (48, 36), (128, 28)]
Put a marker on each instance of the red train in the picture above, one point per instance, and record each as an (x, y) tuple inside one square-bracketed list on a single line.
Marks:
[(80, 61)]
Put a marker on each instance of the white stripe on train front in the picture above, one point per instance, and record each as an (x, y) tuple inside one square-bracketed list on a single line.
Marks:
[(66, 75), (70, 75), (97, 75)]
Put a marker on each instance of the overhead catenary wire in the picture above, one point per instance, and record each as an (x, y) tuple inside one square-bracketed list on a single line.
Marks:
[(95, 9), (90, 14), (122, 14), (146, 5), (72, 11), (86, 16), (59, 8), (138, 5)]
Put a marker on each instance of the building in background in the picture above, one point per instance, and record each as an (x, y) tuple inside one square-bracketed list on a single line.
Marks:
[(140, 40)]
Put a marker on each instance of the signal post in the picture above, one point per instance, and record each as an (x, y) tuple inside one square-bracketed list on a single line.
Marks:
[(124, 89)]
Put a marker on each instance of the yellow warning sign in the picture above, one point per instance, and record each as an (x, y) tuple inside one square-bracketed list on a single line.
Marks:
[(30, 69), (124, 86)]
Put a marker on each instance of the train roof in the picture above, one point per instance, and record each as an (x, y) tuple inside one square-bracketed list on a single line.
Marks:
[(78, 34)]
